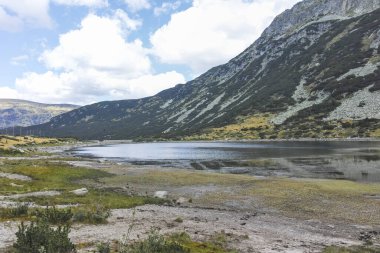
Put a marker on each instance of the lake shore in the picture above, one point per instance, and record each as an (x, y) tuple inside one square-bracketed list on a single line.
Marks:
[(254, 214)]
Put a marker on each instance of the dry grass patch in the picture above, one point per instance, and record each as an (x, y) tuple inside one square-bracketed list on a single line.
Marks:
[(246, 128), (177, 178), (7, 142), (321, 199)]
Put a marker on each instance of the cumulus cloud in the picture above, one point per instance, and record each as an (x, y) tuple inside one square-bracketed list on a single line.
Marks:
[(88, 3), (6, 92), (137, 5), (15, 15), (211, 32), (96, 62), (88, 86), (99, 44)]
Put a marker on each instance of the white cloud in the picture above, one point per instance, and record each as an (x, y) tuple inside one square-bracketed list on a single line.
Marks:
[(166, 7), (88, 3), (14, 15), (100, 44), (88, 86), (6, 92), (137, 5), (96, 62), (213, 31)]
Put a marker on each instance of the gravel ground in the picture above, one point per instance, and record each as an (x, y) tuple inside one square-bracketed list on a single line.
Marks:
[(248, 232)]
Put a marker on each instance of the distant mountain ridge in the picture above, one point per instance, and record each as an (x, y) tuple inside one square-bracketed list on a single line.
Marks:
[(313, 73), (14, 112)]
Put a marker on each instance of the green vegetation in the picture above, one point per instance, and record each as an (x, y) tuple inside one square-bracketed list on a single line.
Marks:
[(174, 243), (20, 211), (59, 176), (39, 237), (173, 177), (250, 127), (55, 216), (97, 214), (327, 200), (330, 200), (155, 243)]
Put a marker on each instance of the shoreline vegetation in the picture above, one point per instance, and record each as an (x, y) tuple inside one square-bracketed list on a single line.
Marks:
[(103, 202)]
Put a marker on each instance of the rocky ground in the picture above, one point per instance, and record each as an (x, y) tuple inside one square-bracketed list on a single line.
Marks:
[(246, 231)]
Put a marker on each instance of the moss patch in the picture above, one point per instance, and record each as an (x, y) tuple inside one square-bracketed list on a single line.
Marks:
[(64, 178)]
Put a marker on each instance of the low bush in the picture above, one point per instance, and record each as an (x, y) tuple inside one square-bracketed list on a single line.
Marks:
[(39, 237), (92, 215), (53, 215), (155, 243), (15, 212), (103, 247)]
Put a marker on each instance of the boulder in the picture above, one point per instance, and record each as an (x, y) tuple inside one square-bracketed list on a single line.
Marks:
[(181, 200)]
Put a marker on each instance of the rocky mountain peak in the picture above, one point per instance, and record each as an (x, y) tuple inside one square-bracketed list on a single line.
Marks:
[(309, 11)]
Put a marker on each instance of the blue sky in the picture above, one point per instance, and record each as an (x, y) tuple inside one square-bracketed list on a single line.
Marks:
[(84, 51)]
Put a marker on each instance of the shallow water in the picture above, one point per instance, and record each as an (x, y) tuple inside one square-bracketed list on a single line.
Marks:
[(353, 160)]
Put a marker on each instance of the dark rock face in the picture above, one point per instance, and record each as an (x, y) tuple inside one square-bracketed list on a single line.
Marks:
[(316, 63)]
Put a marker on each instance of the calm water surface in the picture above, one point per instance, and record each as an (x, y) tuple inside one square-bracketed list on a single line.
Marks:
[(353, 160)]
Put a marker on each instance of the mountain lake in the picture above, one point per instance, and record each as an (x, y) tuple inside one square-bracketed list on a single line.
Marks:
[(352, 160)]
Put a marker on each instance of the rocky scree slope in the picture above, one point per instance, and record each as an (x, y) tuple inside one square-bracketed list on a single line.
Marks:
[(15, 112), (314, 72)]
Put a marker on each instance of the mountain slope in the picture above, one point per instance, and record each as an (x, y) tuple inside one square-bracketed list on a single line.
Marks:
[(25, 113), (313, 72)]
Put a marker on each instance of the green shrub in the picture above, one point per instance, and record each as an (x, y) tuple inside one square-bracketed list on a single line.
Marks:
[(92, 215), (15, 212), (55, 216), (39, 237), (155, 243), (104, 247)]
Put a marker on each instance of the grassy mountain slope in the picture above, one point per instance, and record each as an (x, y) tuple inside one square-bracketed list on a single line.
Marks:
[(318, 78)]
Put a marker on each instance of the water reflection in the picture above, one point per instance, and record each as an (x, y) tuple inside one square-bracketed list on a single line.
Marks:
[(359, 161)]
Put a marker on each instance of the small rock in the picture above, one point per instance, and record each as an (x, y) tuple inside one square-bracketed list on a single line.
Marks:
[(161, 194), (181, 200), (80, 192)]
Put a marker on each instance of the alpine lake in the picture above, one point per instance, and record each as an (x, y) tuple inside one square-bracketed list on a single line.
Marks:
[(341, 160)]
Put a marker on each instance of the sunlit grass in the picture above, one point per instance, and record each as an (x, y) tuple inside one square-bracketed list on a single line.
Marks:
[(321, 199), (178, 178), (59, 176)]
